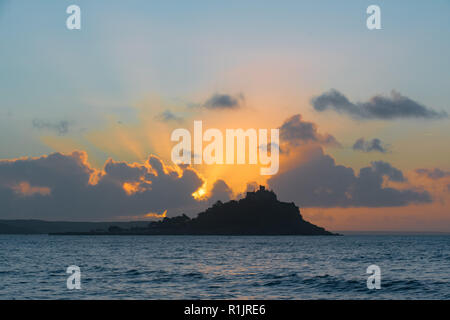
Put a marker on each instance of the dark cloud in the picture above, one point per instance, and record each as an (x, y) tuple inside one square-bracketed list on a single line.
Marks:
[(320, 182), (378, 107), (434, 174), (60, 127), (224, 101), (60, 186), (220, 191), (370, 145), (381, 168), (296, 131), (167, 116)]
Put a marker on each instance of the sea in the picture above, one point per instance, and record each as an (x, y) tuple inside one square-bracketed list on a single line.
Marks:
[(225, 267)]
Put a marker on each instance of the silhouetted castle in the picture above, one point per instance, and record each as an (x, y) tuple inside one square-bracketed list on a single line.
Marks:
[(262, 194)]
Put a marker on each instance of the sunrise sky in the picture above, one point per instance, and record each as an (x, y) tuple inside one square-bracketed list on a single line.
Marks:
[(86, 115)]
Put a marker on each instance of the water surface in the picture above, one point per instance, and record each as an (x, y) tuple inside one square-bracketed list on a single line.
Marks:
[(222, 267)]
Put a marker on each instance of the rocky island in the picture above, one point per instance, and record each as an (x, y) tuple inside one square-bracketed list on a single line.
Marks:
[(259, 213)]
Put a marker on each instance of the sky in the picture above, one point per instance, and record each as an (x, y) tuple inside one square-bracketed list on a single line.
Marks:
[(86, 115)]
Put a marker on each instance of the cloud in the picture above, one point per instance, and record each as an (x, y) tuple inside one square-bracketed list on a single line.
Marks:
[(319, 182), (60, 127), (395, 106), (156, 215), (220, 191), (167, 116), (381, 168), (371, 145), (433, 174), (296, 131), (224, 101), (65, 186)]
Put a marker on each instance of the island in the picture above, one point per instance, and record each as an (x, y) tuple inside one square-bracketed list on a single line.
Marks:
[(259, 213)]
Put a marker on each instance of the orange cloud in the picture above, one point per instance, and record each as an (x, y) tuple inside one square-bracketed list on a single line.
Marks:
[(156, 215), (25, 189), (132, 187)]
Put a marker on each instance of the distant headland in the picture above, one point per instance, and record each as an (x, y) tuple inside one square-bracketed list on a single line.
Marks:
[(259, 213)]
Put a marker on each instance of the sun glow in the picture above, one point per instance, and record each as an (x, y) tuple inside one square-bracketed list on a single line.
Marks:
[(201, 193), (156, 215)]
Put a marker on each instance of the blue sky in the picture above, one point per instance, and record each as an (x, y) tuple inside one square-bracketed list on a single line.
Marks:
[(183, 51)]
